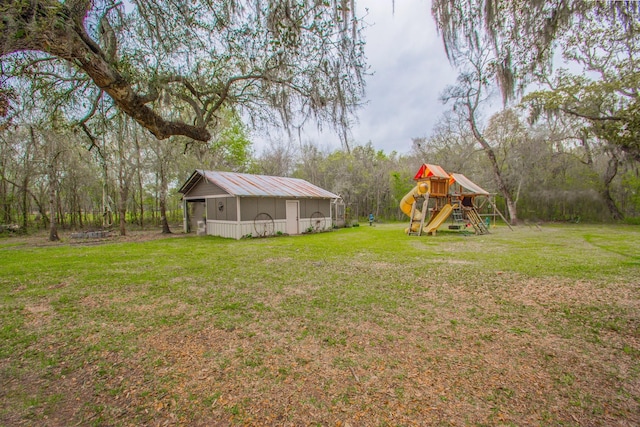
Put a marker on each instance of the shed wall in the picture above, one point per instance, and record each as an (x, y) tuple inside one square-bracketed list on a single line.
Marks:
[(222, 209), (236, 230), (310, 206), (276, 207), (252, 206)]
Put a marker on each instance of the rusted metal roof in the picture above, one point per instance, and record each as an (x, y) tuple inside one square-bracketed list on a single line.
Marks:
[(468, 185), (247, 185)]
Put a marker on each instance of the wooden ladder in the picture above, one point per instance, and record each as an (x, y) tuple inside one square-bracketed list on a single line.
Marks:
[(457, 212), (477, 222), (423, 211)]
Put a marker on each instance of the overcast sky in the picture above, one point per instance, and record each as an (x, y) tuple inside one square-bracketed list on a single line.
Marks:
[(410, 71)]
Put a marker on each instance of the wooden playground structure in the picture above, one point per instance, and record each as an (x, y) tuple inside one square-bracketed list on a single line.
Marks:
[(438, 196)]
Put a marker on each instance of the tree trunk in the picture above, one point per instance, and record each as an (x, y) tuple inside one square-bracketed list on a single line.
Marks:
[(62, 218), (123, 182), (107, 220), (139, 175), (25, 180), (163, 217), (25, 204), (53, 226), (122, 208), (3, 193), (610, 174), (163, 201)]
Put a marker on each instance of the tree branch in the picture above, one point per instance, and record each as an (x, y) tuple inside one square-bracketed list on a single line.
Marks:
[(51, 27), (590, 117)]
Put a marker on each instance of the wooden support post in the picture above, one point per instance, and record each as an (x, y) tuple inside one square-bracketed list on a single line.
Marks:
[(500, 213)]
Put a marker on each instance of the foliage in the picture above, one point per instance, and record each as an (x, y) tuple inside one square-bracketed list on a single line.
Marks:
[(555, 173), (631, 186), (592, 115), (604, 95), (123, 172), (521, 33), (362, 177), (275, 61), (232, 145)]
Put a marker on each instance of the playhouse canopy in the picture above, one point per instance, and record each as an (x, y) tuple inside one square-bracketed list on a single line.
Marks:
[(468, 185), (428, 171)]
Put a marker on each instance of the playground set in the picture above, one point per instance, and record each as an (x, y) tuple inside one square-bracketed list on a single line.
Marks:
[(439, 195)]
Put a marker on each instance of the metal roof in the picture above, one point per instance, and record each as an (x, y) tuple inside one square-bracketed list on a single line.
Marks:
[(244, 185), (467, 184)]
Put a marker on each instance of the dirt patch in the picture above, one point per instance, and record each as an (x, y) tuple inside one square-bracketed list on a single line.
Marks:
[(40, 239), (370, 377), (465, 360), (38, 314)]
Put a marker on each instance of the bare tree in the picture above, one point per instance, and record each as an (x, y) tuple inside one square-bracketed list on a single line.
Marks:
[(450, 145), (278, 159), (53, 150), (467, 96)]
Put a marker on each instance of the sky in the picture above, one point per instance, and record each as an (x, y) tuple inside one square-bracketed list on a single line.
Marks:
[(410, 71)]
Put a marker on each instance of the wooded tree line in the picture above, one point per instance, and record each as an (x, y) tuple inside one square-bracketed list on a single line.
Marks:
[(552, 169), (128, 179), (54, 174), (106, 109)]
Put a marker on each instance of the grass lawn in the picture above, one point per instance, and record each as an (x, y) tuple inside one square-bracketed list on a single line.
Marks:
[(362, 327)]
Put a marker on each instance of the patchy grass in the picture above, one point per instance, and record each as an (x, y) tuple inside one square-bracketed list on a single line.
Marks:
[(362, 326)]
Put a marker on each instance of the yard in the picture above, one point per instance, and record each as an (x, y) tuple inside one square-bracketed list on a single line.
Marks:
[(357, 327)]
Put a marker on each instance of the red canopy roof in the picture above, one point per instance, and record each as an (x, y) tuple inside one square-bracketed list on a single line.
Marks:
[(427, 171)]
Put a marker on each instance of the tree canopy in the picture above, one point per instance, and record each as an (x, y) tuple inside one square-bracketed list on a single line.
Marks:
[(522, 33), (605, 95), (172, 66)]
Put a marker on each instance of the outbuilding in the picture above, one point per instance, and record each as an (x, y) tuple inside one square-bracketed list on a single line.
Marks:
[(236, 205)]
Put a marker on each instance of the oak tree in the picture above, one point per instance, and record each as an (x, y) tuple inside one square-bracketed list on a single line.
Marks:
[(279, 60)]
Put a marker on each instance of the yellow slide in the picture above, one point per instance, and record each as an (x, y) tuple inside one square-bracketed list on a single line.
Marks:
[(439, 219), (406, 204)]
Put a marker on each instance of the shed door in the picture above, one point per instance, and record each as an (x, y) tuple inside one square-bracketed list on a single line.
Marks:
[(293, 209), (197, 212)]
